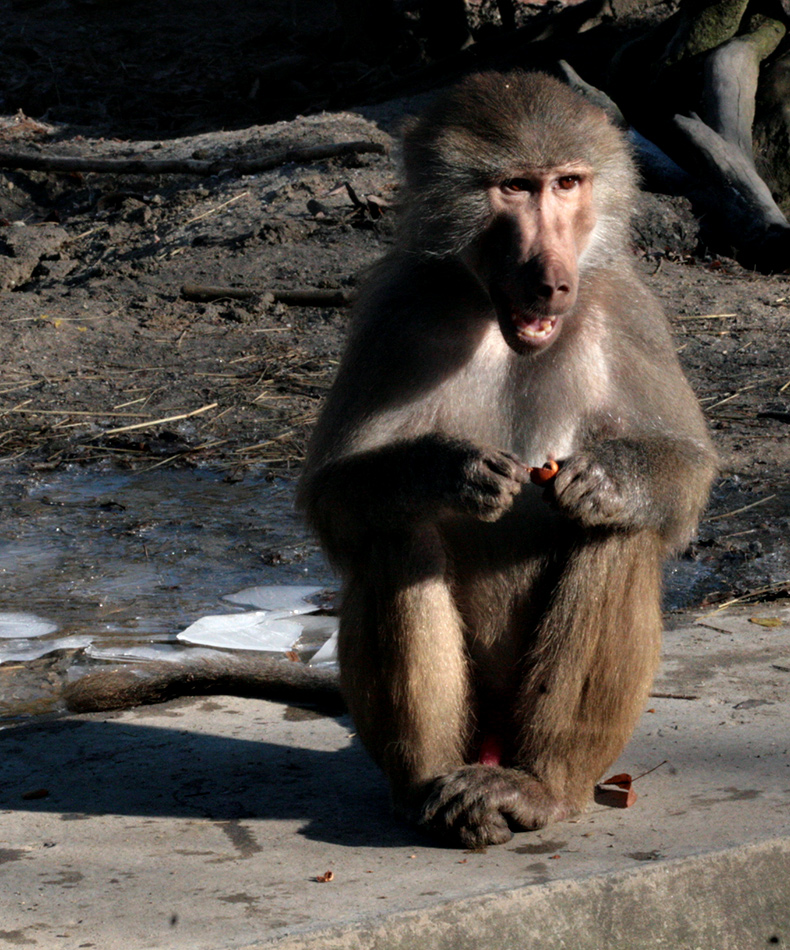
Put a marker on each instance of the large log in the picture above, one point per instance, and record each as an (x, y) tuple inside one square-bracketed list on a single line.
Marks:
[(744, 209), (730, 84)]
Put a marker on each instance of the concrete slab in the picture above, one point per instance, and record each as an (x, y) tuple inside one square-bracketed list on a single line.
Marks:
[(204, 824)]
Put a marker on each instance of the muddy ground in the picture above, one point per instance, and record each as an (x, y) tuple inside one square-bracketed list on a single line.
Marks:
[(98, 340)]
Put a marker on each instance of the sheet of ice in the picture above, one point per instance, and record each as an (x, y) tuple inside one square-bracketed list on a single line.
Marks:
[(283, 599), (23, 650), (18, 626), (150, 651), (257, 630), (327, 655), (285, 614), (317, 627)]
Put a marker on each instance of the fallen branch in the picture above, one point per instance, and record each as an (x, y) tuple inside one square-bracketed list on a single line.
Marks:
[(183, 166), (295, 298)]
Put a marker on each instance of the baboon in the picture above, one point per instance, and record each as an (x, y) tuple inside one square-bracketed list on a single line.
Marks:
[(498, 638)]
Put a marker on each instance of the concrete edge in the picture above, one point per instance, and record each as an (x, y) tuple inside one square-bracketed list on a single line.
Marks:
[(736, 899)]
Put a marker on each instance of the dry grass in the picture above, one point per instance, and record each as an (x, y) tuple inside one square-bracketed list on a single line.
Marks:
[(276, 398)]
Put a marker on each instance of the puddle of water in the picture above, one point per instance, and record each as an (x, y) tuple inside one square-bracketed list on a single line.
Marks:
[(139, 556)]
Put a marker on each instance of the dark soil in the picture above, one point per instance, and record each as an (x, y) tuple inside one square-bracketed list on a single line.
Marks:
[(96, 335)]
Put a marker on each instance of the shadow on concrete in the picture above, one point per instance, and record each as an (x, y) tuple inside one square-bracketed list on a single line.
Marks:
[(87, 768)]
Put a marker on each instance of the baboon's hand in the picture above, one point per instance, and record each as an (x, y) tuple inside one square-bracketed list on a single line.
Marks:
[(596, 491), (487, 481), (480, 805)]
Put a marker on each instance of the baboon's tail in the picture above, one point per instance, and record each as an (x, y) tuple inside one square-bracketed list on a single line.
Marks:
[(259, 678)]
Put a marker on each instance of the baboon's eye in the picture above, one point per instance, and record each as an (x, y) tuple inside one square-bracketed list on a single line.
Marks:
[(514, 185), (568, 182)]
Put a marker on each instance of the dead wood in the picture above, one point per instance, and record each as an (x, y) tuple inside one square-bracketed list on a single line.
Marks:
[(26, 161), (742, 205), (743, 202), (731, 76)]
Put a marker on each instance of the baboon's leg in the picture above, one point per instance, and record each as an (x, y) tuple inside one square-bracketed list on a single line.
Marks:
[(404, 670), (592, 666), (586, 679)]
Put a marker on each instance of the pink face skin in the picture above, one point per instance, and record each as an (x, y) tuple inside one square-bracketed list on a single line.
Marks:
[(542, 222)]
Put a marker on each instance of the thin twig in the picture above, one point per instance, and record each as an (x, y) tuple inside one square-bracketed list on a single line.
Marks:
[(71, 412), (205, 214), (777, 588), (643, 774), (261, 445), (132, 402), (157, 422), (707, 316), (738, 511), (13, 389), (672, 696), (180, 455), (732, 396)]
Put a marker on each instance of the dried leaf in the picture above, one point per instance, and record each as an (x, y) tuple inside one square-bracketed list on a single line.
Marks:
[(767, 621), (377, 200), (326, 877)]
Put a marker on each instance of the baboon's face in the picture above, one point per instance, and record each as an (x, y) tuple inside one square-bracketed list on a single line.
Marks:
[(528, 258)]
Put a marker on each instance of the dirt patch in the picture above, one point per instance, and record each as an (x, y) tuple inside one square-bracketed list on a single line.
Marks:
[(97, 337), (101, 336)]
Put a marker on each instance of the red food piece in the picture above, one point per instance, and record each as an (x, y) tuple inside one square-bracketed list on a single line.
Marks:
[(543, 475), (621, 796)]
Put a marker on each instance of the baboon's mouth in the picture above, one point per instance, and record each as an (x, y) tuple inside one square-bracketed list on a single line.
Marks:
[(535, 331), (524, 327)]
